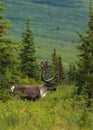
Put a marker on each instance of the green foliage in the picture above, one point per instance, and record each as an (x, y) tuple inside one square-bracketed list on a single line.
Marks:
[(54, 61), (61, 70), (4, 25), (72, 73), (57, 66), (28, 81), (57, 110), (8, 59), (85, 64), (9, 73), (5, 95), (27, 56)]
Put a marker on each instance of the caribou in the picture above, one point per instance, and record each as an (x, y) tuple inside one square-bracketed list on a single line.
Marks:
[(36, 92)]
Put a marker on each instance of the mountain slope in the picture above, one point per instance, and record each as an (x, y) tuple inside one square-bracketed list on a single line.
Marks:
[(53, 22), (52, 19)]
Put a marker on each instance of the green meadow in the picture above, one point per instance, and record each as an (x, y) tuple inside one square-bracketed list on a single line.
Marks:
[(56, 111), (67, 51)]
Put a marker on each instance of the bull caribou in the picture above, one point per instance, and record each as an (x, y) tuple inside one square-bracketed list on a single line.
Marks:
[(36, 92)]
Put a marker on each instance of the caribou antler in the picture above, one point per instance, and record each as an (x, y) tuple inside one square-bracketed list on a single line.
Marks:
[(44, 65), (36, 92)]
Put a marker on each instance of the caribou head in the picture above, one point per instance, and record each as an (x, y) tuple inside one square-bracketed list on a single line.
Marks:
[(35, 92)]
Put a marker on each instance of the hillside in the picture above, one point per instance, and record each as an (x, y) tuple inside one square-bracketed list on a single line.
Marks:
[(53, 22), (57, 20)]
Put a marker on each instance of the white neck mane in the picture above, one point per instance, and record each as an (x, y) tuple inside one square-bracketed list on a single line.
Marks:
[(43, 91)]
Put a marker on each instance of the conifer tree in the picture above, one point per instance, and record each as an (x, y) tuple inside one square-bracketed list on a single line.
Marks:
[(72, 73), (60, 70), (28, 60), (57, 66), (54, 61), (7, 54), (85, 62), (4, 25)]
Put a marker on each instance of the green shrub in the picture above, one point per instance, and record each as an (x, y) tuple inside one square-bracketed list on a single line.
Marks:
[(56, 111)]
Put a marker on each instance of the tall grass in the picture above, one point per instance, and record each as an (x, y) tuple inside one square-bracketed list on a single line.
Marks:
[(56, 111)]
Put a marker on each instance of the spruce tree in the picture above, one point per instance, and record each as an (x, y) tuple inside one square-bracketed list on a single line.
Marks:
[(60, 70), (28, 60), (85, 62), (8, 60), (4, 25), (54, 61), (72, 73), (57, 66)]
